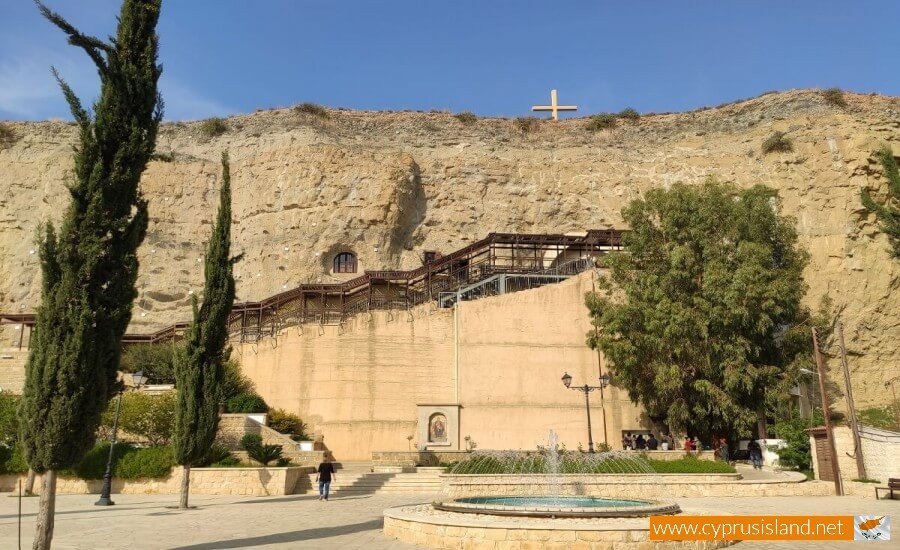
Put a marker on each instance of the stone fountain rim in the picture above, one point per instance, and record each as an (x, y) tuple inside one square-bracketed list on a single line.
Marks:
[(650, 507)]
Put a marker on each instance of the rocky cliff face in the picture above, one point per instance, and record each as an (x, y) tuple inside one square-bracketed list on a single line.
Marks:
[(389, 185)]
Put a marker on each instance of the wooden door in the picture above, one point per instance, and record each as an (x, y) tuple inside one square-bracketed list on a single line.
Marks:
[(823, 457)]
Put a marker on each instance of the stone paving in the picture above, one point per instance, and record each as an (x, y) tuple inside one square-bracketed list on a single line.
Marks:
[(300, 521)]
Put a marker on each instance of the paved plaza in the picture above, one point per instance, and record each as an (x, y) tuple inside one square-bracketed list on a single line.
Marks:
[(300, 521)]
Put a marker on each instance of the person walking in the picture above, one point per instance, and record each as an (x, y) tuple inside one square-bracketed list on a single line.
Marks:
[(755, 452), (723, 450), (324, 475)]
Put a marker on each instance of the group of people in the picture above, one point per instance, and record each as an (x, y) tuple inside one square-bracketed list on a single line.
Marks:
[(637, 442), (640, 442)]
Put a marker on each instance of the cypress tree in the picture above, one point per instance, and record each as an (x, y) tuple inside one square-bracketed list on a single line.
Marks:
[(89, 265), (888, 213), (199, 370)]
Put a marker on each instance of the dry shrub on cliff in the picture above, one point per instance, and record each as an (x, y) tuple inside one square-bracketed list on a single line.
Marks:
[(834, 96), (213, 127), (466, 117), (7, 136), (777, 142), (527, 124), (311, 109), (603, 121), (629, 114)]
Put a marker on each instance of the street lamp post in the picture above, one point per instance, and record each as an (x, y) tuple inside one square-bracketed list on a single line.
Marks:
[(138, 379), (586, 389)]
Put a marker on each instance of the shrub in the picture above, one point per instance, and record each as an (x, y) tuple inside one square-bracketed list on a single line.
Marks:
[(690, 465), (235, 382), (283, 462), (213, 127), (216, 454), (603, 121), (777, 142), (834, 96), (247, 402), (466, 117), (12, 460), (7, 136), (146, 462), (151, 417), (527, 124), (312, 109), (163, 157), (266, 453), (796, 453), (629, 114), (9, 418), (879, 417), (93, 465), (251, 441), (230, 461), (572, 463), (287, 423)]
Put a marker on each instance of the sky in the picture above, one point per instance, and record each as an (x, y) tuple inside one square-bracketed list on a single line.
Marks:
[(490, 57)]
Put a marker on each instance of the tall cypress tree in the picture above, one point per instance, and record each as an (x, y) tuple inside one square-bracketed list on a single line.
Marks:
[(888, 213), (199, 371), (89, 265)]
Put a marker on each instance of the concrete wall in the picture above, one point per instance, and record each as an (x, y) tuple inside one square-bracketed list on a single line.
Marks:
[(500, 358), (881, 453)]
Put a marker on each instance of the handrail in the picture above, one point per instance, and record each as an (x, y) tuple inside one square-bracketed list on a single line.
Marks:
[(421, 284)]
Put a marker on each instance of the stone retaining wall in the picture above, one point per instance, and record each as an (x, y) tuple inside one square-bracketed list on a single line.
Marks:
[(654, 486), (204, 481)]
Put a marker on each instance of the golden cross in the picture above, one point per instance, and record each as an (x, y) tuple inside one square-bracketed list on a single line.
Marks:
[(553, 107)]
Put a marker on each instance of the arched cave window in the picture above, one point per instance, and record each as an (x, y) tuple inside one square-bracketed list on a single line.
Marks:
[(345, 262)]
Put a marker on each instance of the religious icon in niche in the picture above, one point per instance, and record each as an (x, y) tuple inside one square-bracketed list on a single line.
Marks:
[(437, 428)]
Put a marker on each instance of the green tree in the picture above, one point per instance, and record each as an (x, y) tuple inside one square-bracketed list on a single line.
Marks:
[(693, 312), (889, 212), (151, 417), (9, 418), (89, 265), (796, 453), (199, 372), (157, 361)]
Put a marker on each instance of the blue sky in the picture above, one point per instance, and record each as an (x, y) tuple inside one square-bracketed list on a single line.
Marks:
[(490, 57)]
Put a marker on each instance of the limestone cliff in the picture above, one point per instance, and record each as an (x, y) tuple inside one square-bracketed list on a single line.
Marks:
[(389, 185)]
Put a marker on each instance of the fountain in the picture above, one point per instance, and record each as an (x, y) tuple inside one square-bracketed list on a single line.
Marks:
[(549, 483), (517, 500)]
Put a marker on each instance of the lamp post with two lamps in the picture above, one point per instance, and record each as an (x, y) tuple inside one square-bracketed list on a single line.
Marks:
[(138, 379), (586, 389)]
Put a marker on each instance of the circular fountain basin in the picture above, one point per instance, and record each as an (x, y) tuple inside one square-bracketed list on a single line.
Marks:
[(557, 507)]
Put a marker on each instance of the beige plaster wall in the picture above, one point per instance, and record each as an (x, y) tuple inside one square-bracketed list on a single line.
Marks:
[(358, 385), (513, 351), (881, 454)]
